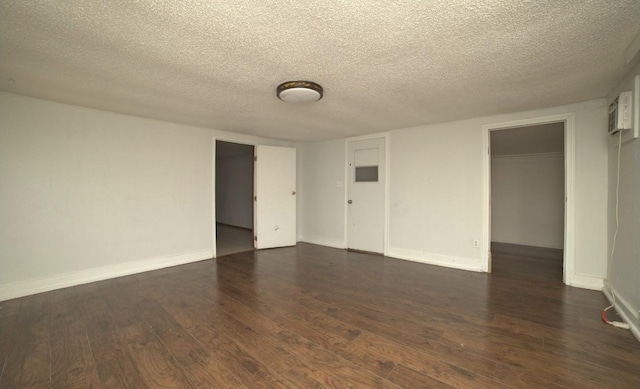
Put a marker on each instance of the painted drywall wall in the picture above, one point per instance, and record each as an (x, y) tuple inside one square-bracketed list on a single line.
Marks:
[(436, 185), (624, 268), (436, 202), (527, 199), (88, 194), (234, 190), (321, 199), (436, 188)]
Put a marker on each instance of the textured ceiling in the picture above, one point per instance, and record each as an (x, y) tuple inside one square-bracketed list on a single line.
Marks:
[(383, 64)]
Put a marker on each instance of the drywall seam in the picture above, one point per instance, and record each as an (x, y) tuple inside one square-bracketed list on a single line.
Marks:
[(26, 288)]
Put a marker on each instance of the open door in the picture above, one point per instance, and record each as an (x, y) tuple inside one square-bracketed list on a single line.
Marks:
[(275, 197)]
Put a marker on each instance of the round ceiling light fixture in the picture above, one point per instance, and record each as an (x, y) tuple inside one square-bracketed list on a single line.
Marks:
[(299, 91)]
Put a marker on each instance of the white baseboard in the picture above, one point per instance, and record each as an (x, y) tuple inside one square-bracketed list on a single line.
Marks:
[(26, 288), (322, 241), (436, 259), (624, 309), (586, 282)]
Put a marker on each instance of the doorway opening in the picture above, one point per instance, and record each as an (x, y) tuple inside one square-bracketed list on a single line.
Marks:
[(568, 119), (234, 198), (527, 174)]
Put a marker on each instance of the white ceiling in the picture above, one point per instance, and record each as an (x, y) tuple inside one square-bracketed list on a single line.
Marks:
[(383, 64)]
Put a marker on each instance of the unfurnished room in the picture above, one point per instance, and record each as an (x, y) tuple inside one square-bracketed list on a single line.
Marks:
[(337, 194)]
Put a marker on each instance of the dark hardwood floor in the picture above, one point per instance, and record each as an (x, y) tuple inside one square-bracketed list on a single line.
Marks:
[(315, 317), (526, 262)]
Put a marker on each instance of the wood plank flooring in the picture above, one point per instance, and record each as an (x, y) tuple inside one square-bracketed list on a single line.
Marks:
[(315, 317)]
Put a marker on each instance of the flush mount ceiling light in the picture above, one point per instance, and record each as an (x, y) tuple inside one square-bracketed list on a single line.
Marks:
[(299, 91)]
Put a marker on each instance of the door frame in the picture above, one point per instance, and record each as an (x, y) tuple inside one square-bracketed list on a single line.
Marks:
[(387, 170), (213, 193), (568, 119)]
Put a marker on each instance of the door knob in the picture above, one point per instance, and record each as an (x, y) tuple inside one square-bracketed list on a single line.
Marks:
[(349, 202)]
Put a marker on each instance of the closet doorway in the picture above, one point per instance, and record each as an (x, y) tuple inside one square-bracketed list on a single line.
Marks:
[(234, 198), (528, 201)]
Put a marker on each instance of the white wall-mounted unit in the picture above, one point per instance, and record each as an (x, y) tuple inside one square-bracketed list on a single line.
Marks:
[(620, 113)]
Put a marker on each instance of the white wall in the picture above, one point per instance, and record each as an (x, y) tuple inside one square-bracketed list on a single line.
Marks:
[(321, 202), (436, 185), (234, 190), (436, 194), (88, 194), (527, 199), (624, 274), (436, 182)]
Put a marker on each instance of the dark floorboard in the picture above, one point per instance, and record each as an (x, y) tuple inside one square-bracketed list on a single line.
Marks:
[(316, 317)]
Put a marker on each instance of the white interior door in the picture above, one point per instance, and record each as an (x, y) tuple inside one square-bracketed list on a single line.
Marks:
[(366, 195), (275, 196)]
